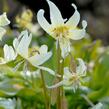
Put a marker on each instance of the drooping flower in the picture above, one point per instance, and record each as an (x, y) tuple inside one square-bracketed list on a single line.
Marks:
[(36, 57), (3, 22), (25, 21), (72, 80), (9, 54), (7, 103), (61, 29), (98, 106), (25, 18)]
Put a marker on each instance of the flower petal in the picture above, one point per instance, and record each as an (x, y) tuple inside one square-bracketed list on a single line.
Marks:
[(4, 20), (98, 106), (67, 73), (51, 72), (74, 20), (25, 32), (56, 85), (2, 32), (9, 53), (15, 43), (55, 14), (6, 52), (68, 87), (84, 24), (42, 21), (39, 59), (43, 49), (81, 68), (65, 46), (13, 54), (77, 34), (24, 43)]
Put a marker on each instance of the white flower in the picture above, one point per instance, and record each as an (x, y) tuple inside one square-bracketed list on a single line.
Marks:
[(3, 22), (71, 80), (25, 21), (37, 57), (9, 54), (21, 45), (7, 103), (60, 28), (98, 106)]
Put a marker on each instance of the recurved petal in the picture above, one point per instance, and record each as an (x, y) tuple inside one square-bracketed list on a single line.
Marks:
[(4, 20), (42, 21), (84, 24), (56, 85), (17, 40), (77, 34), (24, 43), (39, 59), (25, 32), (55, 14), (74, 19), (98, 106), (2, 32), (50, 71), (43, 49)]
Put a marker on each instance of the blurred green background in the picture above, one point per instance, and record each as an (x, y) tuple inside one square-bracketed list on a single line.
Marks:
[(19, 91)]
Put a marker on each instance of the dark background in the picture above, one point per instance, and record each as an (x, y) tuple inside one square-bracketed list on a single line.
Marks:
[(96, 12)]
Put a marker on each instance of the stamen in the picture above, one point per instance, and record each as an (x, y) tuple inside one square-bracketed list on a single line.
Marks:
[(61, 31)]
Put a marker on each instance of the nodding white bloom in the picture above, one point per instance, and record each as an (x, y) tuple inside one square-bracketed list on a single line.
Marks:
[(9, 54), (98, 106), (3, 22), (71, 80), (21, 45), (62, 29), (36, 57), (25, 21)]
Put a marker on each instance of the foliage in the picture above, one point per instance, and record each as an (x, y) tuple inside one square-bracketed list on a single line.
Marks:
[(22, 89)]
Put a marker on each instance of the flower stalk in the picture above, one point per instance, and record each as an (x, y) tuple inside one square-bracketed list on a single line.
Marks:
[(47, 105), (60, 62)]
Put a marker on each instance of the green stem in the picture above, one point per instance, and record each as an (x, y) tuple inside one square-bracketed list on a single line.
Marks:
[(88, 100), (47, 105), (60, 72)]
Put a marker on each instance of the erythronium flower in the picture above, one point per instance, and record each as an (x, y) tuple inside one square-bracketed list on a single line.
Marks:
[(9, 54), (37, 57), (3, 22), (98, 106), (71, 80), (61, 29), (25, 21)]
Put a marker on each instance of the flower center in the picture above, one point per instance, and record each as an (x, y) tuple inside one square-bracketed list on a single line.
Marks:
[(61, 31), (74, 78), (33, 52)]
